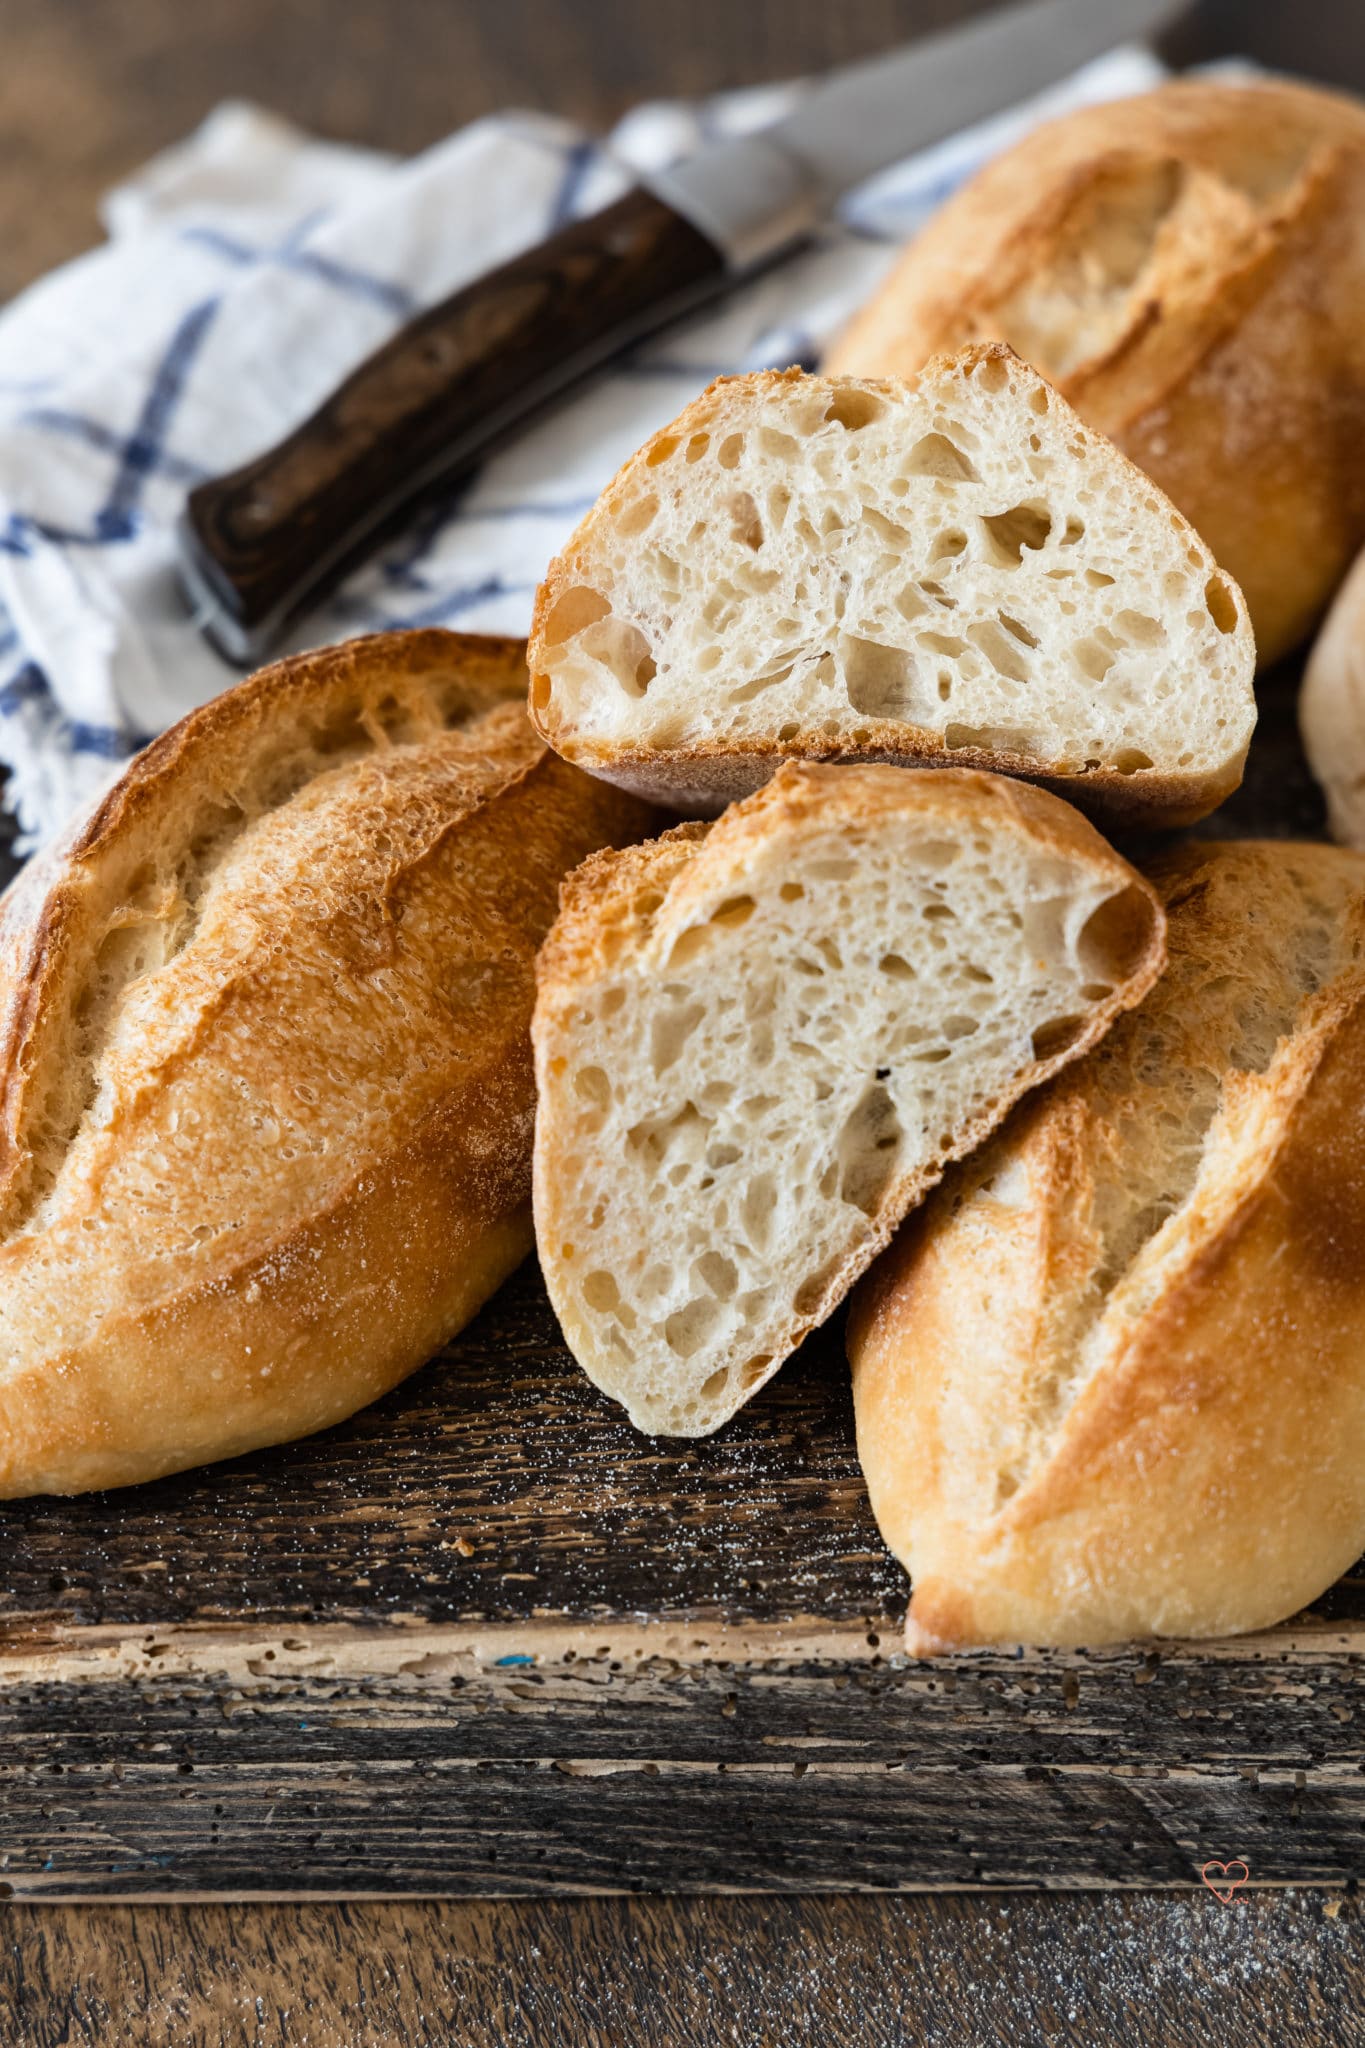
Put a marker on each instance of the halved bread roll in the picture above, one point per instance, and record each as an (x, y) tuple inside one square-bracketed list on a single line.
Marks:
[(757, 1045), (1111, 1381), (265, 1058), (953, 570)]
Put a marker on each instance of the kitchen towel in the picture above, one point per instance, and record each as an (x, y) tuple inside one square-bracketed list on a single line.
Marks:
[(250, 268)]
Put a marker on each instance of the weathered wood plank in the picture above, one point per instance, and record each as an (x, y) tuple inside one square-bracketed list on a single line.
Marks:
[(436, 1761), (497, 1486), (1272, 1970)]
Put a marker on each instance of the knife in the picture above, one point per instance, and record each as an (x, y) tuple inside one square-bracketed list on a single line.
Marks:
[(260, 545)]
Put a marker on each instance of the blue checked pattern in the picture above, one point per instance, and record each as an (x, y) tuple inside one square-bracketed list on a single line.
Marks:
[(248, 271)]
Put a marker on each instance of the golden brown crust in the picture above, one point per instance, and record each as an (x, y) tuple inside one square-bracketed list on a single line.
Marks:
[(1208, 1475), (704, 775), (298, 1156), (708, 774), (1235, 373)]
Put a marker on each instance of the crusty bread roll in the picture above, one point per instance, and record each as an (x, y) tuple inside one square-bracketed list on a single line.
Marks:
[(951, 571), (757, 1045), (1111, 1381), (1332, 709), (1189, 267), (267, 1086)]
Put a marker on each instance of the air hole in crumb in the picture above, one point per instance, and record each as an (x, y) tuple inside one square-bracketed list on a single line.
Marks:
[(1221, 604), (633, 519), (867, 1147), (1022, 526), (936, 455), (1115, 936), (717, 1273), (1140, 629), (811, 1292), (879, 680), (746, 528), (853, 408), (573, 611), (1093, 658), (593, 1086), (730, 450), (688, 1328), (601, 1292), (1056, 1036), (670, 1032)]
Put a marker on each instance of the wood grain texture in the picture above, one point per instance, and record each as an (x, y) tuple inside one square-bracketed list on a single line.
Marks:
[(484, 1639), (1268, 1971), (88, 92)]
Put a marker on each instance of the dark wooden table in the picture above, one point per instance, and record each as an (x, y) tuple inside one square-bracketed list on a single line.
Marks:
[(86, 92)]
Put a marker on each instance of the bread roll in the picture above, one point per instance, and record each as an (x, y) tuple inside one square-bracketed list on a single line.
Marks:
[(267, 1088), (1111, 1381), (1332, 709), (757, 1046), (950, 571), (1189, 267)]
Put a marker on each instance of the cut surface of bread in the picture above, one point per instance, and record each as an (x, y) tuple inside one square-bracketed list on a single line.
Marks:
[(265, 1055), (1188, 265), (953, 570), (757, 1045), (1110, 1382)]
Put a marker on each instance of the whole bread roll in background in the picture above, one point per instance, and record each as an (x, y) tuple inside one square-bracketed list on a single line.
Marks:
[(1110, 1382), (1332, 709), (1189, 267), (268, 1095)]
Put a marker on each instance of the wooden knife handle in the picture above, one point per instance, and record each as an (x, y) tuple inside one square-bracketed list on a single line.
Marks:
[(261, 543)]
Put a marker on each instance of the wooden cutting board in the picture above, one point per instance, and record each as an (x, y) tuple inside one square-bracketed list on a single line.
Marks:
[(485, 1639)]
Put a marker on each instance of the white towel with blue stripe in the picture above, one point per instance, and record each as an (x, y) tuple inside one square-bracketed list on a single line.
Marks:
[(246, 272)]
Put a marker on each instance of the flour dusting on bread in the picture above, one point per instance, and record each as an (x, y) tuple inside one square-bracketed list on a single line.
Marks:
[(1110, 1384)]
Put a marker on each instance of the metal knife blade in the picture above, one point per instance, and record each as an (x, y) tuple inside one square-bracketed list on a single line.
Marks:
[(753, 195), (259, 545)]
